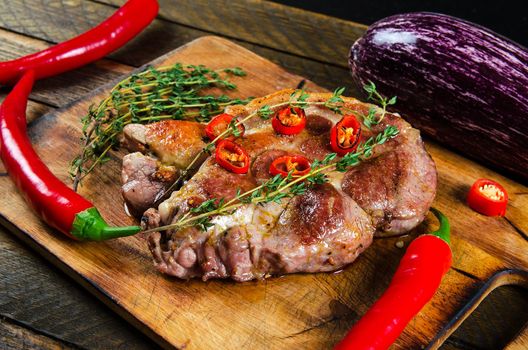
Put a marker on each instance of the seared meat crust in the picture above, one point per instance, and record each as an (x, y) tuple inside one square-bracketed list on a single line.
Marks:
[(397, 187), (321, 230), (324, 229), (174, 143)]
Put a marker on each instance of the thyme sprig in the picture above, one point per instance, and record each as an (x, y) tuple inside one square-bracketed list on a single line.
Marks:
[(172, 92), (298, 98), (372, 118), (335, 102), (278, 188)]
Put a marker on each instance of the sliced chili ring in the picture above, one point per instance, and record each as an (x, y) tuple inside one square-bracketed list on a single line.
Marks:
[(219, 124), (289, 121), (345, 135), (231, 156), (298, 165), (488, 197)]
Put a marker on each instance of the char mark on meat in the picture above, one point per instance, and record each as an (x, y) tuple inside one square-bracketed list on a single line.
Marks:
[(323, 229), (166, 148), (397, 187)]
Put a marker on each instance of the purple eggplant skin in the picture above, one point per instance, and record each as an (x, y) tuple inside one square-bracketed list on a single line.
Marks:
[(463, 85)]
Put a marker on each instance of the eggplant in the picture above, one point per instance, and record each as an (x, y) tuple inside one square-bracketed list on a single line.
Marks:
[(462, 84)]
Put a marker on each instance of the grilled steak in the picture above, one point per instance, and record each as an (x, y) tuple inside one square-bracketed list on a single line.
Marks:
[(144, 180), (172, 145), (323, 229)]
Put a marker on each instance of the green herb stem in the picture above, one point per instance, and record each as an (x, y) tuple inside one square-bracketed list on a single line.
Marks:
[(281, 187), (373, 95), (172, 92), (207, 148)]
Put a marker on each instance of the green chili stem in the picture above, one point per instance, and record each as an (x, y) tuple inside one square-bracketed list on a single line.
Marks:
[(444, 231)]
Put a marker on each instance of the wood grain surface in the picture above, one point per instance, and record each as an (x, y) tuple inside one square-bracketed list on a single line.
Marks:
[(504, 311), (312, 311), (36, 299), (29, 25), (302, 33), (12, 336), (165, 34), (520, 342)]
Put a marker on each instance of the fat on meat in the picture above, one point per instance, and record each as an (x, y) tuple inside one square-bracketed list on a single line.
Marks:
[(324, 229)]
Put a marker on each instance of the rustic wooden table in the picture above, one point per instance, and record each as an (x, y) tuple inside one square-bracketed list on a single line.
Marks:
[(42, 308)]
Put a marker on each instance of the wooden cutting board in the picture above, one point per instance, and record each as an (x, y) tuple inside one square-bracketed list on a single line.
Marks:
[(302, 311)]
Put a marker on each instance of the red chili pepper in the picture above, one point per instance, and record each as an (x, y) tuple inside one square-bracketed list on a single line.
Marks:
[(488, 197), (297, 165), (418, 276), (219, 124), (232, 157), (96, 43), (289, 121), (55, 203), (345, 135)]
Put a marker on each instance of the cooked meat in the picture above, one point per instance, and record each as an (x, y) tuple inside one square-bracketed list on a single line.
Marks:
[(143, 181), (323, 229), (135, 138), (174, 142), (151, 218), (396, 188)]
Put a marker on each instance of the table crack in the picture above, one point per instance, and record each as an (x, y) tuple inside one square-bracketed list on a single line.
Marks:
[(517, 229)]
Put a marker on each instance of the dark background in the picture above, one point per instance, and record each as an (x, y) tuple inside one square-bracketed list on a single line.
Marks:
[(509, 18)]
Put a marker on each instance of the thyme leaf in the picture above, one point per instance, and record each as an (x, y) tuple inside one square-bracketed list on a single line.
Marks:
[(335, 102), (235, 131), (155, 94), (265, 112), (278, 188), (298, 97), (372, 118)]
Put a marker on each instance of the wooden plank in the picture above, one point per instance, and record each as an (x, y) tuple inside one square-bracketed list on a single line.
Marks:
[(34, 109), (45, 24), (262, 23), (313, 310), (520, 342), (26, 16), (268, 24), (271, 25), (66, 88), (57, 21), (14, 337), (35, 294)]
